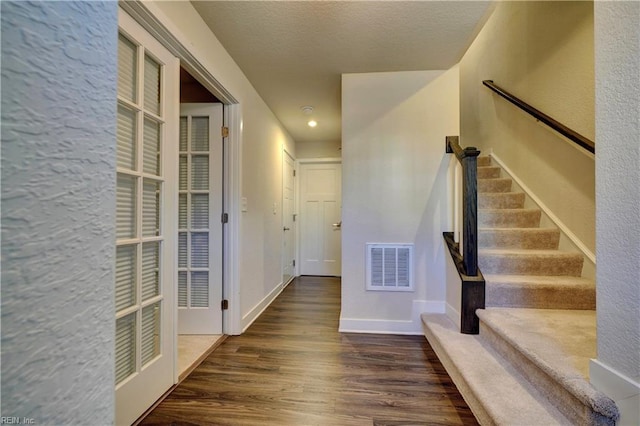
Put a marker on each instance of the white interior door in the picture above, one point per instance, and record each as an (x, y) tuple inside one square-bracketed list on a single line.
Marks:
[(320, 219), (199, 219), (288, 219), (146, 216)]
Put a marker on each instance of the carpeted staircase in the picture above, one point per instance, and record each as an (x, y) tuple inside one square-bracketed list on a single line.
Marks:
[(530, 363)]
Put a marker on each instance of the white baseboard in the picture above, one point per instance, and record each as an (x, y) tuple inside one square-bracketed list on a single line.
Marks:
[(407, 327), (254, 313), (621, 389), (555, 219)]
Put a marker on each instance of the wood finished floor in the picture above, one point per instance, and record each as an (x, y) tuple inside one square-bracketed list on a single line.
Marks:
[(292, 367)]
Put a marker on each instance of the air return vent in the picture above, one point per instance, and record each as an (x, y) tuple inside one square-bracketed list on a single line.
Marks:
[(390, 267)]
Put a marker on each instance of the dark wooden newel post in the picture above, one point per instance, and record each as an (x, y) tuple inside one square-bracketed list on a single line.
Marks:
[(470, 209)]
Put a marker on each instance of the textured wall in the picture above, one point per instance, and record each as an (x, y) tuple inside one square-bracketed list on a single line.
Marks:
[(542, 52), (618, 185), (394, 184), (58, 210)]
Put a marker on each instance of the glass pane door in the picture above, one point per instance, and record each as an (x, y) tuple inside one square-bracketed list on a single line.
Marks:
[(147, 118)]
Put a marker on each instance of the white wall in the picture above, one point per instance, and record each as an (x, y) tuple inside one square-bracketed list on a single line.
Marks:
[(541, 52), (395, 189), (617, 369), (58, 211), (263, 139), (313, 149)]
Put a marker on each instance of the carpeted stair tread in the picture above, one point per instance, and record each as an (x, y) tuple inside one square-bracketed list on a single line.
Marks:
[(529, 262), (552, 348), (488, 172), (524, 238), (542, 292), (494, 390), (509, 218), (501, 200), (494, 185)]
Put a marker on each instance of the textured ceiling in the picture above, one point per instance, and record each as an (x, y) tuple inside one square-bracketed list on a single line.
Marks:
[(294, 52)]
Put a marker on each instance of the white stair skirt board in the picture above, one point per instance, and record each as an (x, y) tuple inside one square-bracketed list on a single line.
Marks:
[(563, 228)]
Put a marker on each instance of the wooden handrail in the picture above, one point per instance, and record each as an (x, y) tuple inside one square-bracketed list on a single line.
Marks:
[(572, 135), (468, 158)]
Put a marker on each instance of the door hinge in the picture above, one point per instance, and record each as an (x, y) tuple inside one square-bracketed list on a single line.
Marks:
[(294, 172), (224, 305), (225, 132), (294, 263), (225, 217), (294, 217)]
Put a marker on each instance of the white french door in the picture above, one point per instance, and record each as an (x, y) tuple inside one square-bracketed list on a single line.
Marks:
[(145, 220), (199, 219), (320, 218), (288, 219)]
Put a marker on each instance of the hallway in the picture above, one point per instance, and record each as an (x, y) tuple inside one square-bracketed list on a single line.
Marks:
[(292, 367)]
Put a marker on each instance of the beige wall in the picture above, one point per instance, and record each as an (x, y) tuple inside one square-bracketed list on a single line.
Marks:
[(541, 52), (394, 178), (312, 149)]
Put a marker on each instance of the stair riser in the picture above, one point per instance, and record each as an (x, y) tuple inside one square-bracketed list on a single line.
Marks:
[(509, 200), (530, 264), (518, 218), (484, 161), (494, 185), (488, 172), (519, 238), (545, 384), (515, 295)]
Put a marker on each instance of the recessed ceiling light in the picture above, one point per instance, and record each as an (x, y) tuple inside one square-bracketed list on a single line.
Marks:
[(312, 123)]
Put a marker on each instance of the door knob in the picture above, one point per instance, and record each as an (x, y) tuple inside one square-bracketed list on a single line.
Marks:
[(286, 229), (338, 225)]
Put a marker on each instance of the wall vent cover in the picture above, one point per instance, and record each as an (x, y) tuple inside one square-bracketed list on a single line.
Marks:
[(390, 267)]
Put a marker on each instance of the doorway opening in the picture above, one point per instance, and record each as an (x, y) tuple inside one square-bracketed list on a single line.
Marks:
[(200, 225)]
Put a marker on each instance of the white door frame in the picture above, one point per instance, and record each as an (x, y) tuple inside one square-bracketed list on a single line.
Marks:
[(294, 226), (151, 18), (299, 162)]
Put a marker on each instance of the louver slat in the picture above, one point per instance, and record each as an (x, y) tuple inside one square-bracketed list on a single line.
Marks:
[(126, 138), (127, 69), (151, 85), (200, 134), (125, 347), (150, 335), (150, 270), (182, 289), (199, 249), (125, 207), (199, 211), (125, 277), (151, 150), (200, 172), (199, 289)]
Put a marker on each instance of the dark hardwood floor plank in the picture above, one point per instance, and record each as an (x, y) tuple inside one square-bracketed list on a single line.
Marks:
[(292, 367)]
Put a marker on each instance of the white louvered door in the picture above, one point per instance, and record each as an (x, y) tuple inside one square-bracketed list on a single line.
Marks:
[(199, 219), (145, 220)]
